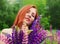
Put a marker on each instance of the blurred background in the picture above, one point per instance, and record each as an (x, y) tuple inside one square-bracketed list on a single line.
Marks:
[(49, 9)]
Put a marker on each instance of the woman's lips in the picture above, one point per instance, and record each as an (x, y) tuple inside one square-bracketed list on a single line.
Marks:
[(28, 19)]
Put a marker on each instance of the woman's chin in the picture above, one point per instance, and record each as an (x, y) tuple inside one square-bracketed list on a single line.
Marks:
[(28, 23)]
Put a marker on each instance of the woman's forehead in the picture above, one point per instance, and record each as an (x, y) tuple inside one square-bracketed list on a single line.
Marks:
[(33, 10)]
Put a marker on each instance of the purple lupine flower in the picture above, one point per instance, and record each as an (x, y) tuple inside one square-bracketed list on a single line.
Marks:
[(20, 37), (36, 24), (58, 32), (14, 36), (37, 35), (6, 34), (50, 28), (58, 35), (6, 38), (17, 36), (9, 38), (51, 37)]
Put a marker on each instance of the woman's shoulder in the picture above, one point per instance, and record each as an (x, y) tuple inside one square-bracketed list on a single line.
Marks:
[(7, 30)]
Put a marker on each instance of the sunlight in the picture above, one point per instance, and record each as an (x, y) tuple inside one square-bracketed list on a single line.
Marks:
[(11, 1)]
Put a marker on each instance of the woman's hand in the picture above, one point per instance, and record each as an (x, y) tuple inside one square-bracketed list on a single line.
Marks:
[(25, 35), (26, 29)]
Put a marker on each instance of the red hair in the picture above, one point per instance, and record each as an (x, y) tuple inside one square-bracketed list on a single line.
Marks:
[(21, 14)]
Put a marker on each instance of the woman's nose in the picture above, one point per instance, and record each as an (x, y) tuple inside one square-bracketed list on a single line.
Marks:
[(29, 16)]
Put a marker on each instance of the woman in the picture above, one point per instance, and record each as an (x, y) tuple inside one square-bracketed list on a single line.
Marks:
[(26, 32)]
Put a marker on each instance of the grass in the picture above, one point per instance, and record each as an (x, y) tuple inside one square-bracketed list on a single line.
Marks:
[(0, 31), (48, 41)]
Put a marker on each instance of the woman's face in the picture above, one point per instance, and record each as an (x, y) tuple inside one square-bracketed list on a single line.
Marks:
[(30, 16)]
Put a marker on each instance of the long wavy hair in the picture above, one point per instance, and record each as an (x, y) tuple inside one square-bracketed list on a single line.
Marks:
[(21, 14)]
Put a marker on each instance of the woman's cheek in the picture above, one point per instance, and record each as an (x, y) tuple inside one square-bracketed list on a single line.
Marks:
[(32, 20)]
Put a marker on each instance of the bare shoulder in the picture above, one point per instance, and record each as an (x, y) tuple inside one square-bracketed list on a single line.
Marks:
[(7, 30)]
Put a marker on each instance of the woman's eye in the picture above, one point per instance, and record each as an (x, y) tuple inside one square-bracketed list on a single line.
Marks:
[(33, 14)]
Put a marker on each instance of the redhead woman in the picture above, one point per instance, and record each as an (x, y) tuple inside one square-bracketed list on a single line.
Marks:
[(26, 28)]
